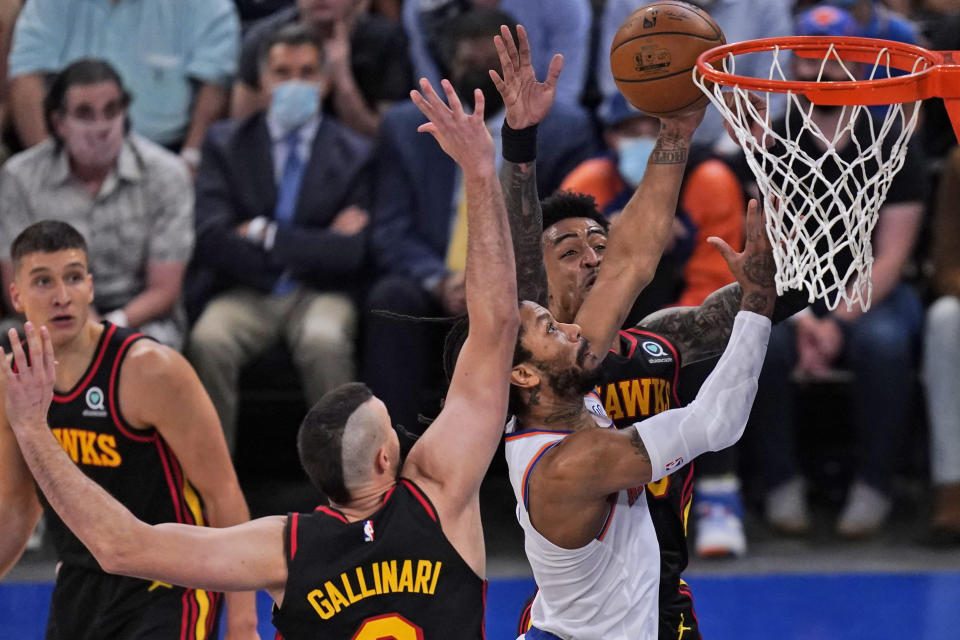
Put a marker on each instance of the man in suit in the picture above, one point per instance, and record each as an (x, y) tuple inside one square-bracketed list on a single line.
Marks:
[(281, 226), (417, 238)]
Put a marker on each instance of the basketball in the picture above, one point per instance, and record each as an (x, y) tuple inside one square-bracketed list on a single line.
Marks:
[(653, 54)]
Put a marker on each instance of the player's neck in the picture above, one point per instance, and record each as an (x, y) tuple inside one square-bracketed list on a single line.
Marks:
[(365, 500), (74, 356), (547, 410)]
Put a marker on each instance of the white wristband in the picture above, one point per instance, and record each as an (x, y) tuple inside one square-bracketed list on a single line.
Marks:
[(717, 416), (118, 317), (255, 229)]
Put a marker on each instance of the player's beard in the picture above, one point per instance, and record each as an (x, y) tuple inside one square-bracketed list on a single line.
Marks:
[(573, 381)]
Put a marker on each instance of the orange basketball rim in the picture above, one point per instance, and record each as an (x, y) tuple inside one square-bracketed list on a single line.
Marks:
[(930, 74)]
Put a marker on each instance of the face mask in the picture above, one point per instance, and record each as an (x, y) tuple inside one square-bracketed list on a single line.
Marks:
[(293, 103), (479, 79), (93, 144), (632, 156)]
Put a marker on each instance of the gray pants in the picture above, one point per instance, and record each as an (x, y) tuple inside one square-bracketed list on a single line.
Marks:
[(941, 373), (237, 326)]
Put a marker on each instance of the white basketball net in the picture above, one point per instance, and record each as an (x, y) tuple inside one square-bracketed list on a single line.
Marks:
[(808, 231)]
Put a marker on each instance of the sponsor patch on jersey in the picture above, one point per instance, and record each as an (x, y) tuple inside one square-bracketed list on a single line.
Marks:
[(655, 352), (95, 407)]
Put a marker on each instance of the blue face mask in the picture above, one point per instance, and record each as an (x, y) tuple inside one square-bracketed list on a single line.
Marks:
[(632, 156), (293, 103)]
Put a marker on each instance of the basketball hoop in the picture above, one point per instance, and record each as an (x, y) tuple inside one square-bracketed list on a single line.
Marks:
[(808, 231)]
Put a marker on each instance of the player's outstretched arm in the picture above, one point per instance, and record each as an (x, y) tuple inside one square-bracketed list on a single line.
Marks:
[(715, 420), (527, 103), (245, 557), (638, 236), (18, 498), (452, 456), (159, 388)]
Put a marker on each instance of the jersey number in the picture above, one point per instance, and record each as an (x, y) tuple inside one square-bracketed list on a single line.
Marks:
[(391, 626)]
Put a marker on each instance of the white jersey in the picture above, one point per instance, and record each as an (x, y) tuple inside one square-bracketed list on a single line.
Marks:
[(606, 590)]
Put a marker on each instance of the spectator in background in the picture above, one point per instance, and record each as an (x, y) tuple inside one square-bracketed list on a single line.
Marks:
[(711, 204), (250, 11), (366, 56), (878, 21), (557, 26), (132, 198), (281, 219), (941, 357), (175, 56), (879, 346), (740, 20), (418, 228), (9, 10)]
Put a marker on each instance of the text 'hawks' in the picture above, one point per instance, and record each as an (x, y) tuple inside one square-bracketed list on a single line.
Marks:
[(414, 576), (632, 398), (89, 447)]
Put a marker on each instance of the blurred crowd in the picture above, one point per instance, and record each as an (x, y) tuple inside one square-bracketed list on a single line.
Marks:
[(250, 179)]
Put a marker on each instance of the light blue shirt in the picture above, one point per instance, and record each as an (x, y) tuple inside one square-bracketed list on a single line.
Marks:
[(740, 20), (157, 46), (553, 26)]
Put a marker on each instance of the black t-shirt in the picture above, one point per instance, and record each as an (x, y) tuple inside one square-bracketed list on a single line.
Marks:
[(908, 185), (378, 48)]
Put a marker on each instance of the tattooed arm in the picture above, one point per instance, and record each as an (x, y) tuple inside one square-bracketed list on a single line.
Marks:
[(519, 183)]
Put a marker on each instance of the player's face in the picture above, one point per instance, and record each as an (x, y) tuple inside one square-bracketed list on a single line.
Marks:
[(572, 252), (54, 289), (559, 354)]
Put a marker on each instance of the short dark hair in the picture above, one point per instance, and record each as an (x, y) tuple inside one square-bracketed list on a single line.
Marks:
[(319, 441), (46, 236), (291, 35), (569, 204), (453, 344), (82, 72), (478, 22)]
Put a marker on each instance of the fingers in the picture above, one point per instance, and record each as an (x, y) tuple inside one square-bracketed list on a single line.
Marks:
[(720, 245), (499, 83), (49, 361), (553, 72), (452, 98), (19, 357), (507, 64), (524, 46), (511, 48), (478, 104)]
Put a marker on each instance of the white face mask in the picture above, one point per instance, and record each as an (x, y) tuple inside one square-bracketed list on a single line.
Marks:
[(632, 157), (293, 103), (94, 144)]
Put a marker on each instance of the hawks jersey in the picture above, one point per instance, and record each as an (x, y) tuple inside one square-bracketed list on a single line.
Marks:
[(134, 465), (394, 575), (639, 382), (606, 589)]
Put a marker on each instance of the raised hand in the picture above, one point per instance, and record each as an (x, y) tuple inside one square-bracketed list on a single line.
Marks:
[(527, 101), (464, 138), (30, 389), (754, 267)]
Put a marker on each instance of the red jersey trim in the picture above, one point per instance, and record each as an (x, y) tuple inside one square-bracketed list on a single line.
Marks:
[(633, 344), (113, 394), (483, 613), (422, 498), (77, 390), (673, 350), (333, 513), (294, 518)]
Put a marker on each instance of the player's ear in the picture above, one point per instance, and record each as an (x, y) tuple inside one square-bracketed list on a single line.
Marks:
[(524, 376), (15, 298)]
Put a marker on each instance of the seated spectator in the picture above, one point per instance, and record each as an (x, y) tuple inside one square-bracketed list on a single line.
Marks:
[(879, 346), (740, 20), (711, 204), (418, 237), (130, 197), (941, 357), (175, 56), (878, 21), (366, 57), (558, 26), (250, 11), (281, 219)]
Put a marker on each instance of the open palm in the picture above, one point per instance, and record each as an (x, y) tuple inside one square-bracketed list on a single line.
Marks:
[(527, 101)]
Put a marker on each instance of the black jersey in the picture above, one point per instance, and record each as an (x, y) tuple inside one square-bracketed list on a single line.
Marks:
[(134, 465), (639, 382), (393, 575)]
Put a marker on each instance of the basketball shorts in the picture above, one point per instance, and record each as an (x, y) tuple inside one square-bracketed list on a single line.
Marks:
[(91, 605)]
